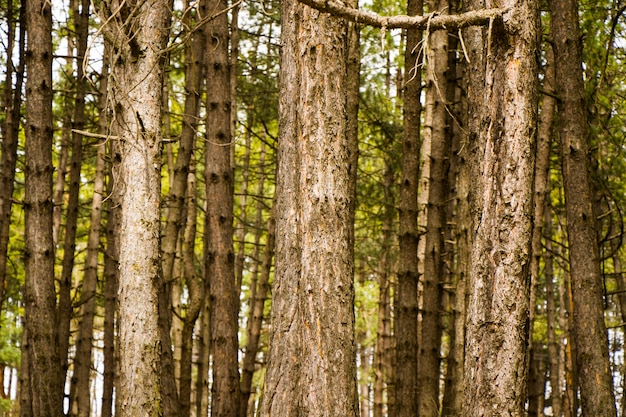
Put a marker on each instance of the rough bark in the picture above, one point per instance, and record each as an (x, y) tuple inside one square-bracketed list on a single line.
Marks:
[(405, 299), (138, 45), (311, 369), (10, 133), (43, 389), (589, 331), (220, 256), (498, 309)]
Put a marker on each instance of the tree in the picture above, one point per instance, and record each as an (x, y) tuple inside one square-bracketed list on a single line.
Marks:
[(219, 251), (406, 301), (497, 323), (42, 389), (311, 365), (589, 332), (138, 33)]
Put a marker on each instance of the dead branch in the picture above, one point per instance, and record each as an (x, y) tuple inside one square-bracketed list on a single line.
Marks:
[(433, 20)]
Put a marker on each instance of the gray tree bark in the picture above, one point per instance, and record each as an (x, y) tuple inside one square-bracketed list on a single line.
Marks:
[(312, 367), (498, 309), (138, 33)]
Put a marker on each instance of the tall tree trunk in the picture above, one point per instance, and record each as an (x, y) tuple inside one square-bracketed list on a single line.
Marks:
[(589, 332), (65, 307), (138, 44), (10, 135), (174, 202), (219, 263), (44, 388), (498, 309), (406, 303), (311, 369), (80, 402), (111, 253), (433, 198)]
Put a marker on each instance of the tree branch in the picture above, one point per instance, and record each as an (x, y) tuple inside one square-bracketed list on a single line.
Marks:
[(431, 20)]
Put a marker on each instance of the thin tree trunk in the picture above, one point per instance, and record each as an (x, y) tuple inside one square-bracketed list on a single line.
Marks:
[(196, 289), (10, 133), (80, 402), (589, 331), (258, 293), (137, 87), (498, 309), (219, 262), (433, 198), (44, 390), (256, 318), (311, 365), (405, 300), (202, 383), (111, 278), (81, 23)]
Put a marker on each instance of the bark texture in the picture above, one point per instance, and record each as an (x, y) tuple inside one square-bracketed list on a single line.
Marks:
[(498, 309), (42, 388), (136, 91), (312, 367), (589, 331), (220, 256), (406, 303)]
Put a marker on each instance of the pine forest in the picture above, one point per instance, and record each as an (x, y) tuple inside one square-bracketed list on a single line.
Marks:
[(312, 208)]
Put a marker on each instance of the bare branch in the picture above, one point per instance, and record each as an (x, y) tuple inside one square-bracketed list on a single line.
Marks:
[(433, 20)]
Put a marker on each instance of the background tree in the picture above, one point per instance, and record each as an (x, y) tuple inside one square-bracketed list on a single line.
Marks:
[(42, 390)]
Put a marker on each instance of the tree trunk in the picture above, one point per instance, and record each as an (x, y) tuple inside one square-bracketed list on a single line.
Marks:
[(44, 388), (258, 292), (196, 292), (589, 332), (10, 136), (219, 262), (80, 401), (138, 46), (498, 309), (406, 303), (311, 369), (65, 307), (433, 197)]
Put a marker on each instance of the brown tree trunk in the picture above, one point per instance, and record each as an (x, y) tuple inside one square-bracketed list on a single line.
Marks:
[(405, 300), (65, 307), (311, 369), (498, 309), (10, 134), (219, 263), (433, 197), (589, 331), (258, 292), (196, 291), (44, 389), (138, 46), (80, 401)]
